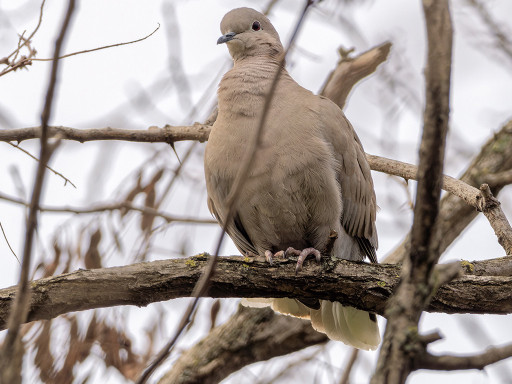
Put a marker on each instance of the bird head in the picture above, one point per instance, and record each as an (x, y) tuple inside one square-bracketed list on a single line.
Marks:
[(247, 33)]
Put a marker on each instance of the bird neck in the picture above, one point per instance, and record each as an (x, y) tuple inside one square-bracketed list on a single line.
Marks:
[(243, 88)]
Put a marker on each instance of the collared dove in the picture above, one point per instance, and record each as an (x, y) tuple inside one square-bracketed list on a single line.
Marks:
[(309, 177)]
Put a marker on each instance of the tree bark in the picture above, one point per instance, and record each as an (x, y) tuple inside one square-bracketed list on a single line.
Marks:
[(361, 285), (250, 335), (400, 346)]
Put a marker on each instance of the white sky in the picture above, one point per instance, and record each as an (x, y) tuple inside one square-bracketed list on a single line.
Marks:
[(96, 91)]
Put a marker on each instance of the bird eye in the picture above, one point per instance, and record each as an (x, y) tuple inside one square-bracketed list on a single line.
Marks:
[(256, 26)]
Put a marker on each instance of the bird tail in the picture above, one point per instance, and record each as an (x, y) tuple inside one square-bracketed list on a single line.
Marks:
[(349, 325), (290, 307)]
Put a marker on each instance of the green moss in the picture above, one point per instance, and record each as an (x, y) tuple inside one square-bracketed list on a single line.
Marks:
[(191, 263), (381, 284), (468, 267), (501, 145)]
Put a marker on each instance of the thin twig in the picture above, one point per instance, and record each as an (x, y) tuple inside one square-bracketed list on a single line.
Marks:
[(11, 352), (66, 180), (100, 48), (200, 132), (246, 164), (490, 207), (396, 357), (105, 207), (499, 179), (408, 171), (348, 368), (501, 34), (9, 245), (26, 42)]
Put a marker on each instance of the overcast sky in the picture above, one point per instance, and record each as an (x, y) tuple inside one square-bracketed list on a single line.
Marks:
[(171, 78)]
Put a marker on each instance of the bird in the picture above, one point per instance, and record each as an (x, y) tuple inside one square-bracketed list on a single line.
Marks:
[(309, 176)]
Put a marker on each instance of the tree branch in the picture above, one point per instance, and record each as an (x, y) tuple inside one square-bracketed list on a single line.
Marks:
[(251, 334), (470, 195), (350, 71), (361, 285), (167, 134), (340, 82), (455, 215), (452, 363), (418, 282), (11, 353), (105, 207), (490, 207)]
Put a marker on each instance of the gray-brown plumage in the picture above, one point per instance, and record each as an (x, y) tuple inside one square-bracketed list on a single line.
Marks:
[(310, 174)]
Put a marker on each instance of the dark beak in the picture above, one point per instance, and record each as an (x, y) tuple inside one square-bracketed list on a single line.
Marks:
[(227, 37)]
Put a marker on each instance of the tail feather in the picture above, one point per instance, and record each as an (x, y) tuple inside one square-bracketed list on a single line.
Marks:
[(290, 307), (346, 324), (256, 303)]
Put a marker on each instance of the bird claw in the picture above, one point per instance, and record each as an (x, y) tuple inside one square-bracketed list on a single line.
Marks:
[(303, 255), (290, 251), (269, 257)]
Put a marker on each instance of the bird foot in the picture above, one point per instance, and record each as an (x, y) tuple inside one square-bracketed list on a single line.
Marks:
[(269, 256), (303, 255)]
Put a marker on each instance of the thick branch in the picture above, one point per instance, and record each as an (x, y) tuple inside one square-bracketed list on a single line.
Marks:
[(361, 285), (466, 192), (455, 215), (250, 335), (398, 350), (350, 71), (492, 210), (12, 352), (452, 363), (167, 134)]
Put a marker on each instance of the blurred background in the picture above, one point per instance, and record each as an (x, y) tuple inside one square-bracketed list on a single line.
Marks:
[(171, 78)]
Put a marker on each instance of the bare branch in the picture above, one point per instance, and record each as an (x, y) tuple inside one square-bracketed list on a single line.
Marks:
[(500, 178), (11, 353), (248, 334), (348, 368), (349, 71), (452, 363), (24, 60), (9, 245), (98, 208), (100, 48), (410, 172), (361, 285), (455, 215), (501, 35), (200, 132), (490, 206), (66, 180), (405, 307), (167, 134)]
